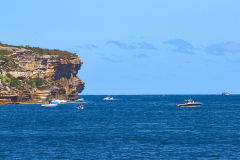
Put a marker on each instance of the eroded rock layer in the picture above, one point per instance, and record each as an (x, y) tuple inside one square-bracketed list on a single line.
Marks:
[(35, 75)]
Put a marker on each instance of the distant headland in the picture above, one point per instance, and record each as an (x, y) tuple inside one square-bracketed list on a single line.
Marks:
[(35, 75)]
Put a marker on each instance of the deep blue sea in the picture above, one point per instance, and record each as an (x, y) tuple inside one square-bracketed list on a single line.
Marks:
[(133, 127)]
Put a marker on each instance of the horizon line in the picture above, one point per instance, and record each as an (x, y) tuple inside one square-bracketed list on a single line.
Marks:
[(150, 94)]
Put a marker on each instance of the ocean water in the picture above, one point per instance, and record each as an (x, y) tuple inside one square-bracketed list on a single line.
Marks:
[(132, 127)]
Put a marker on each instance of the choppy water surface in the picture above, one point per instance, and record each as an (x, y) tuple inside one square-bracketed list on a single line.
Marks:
[(133, 127)]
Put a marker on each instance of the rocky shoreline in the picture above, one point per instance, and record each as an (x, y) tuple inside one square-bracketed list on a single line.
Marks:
[(33, 75)]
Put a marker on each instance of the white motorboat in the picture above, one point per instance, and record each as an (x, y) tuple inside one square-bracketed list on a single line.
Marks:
[(79, 100), (189, 103), (54, 103), (49, 105), (58, 101), (108, 98)]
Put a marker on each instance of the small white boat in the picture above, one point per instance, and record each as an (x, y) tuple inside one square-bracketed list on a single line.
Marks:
[(49, 105), (79, 100), (72, 102), (63, 101), (189, 103), (58, 101), (108, 98), (54, 103)]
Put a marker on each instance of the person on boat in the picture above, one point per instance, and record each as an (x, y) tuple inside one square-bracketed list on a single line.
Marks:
[(80, 106)]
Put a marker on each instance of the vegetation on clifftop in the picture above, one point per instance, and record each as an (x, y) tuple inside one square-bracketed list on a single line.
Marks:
[(41, 51)]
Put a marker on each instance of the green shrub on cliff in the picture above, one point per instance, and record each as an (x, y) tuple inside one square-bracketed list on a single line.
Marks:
[(35, 82), (4, 52), (5, 79), (1, 77), (9, 63), (40, 81), (14, 82), (10, 80)]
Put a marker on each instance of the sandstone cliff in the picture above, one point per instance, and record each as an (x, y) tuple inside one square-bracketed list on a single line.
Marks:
[(35, 75)]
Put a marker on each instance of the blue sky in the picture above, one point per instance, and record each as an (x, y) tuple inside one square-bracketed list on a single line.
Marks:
[(136, 46)]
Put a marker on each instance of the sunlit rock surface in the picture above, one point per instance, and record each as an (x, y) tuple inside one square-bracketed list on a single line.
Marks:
[(35, 75)]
